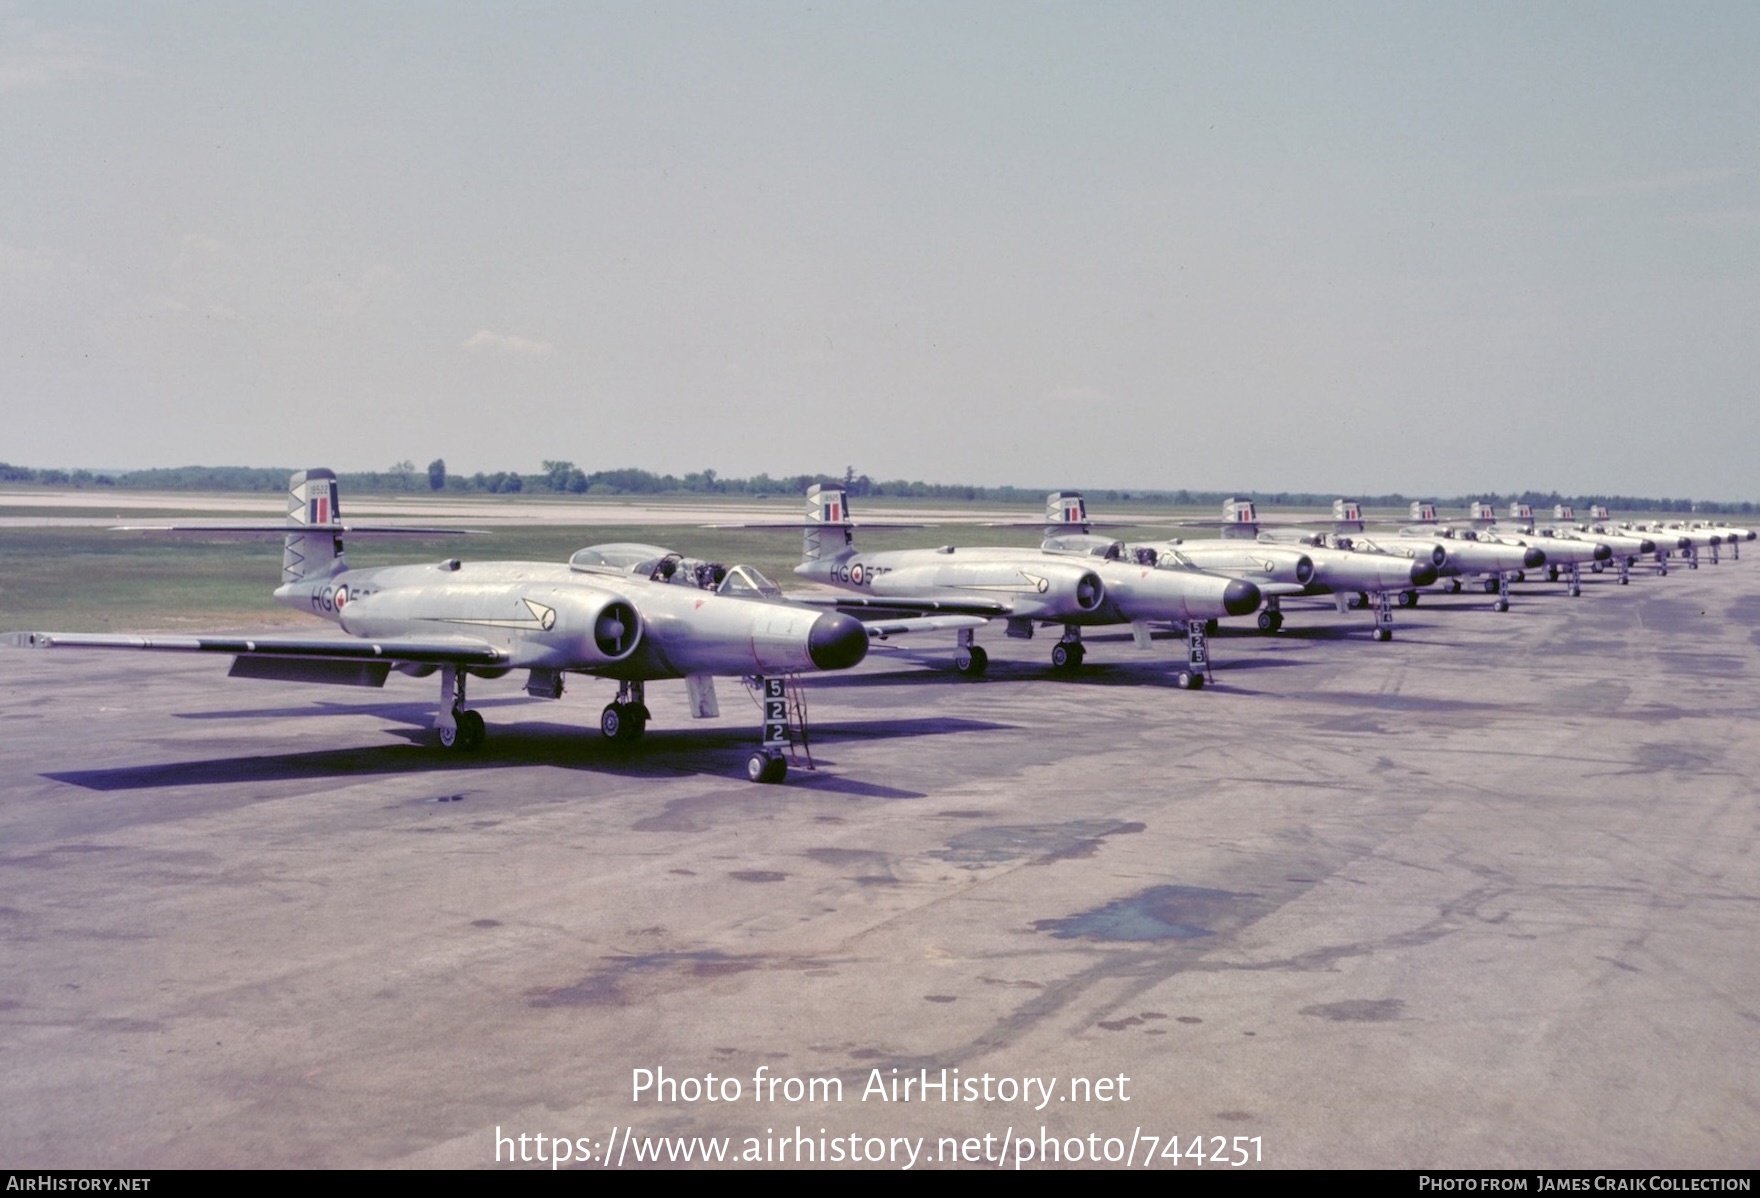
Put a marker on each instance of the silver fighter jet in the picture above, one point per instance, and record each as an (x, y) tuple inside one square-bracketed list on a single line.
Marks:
[(485, 619), (1025, 587)]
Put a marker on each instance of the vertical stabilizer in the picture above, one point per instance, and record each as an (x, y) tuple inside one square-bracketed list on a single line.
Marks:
[(1066, 511), (827, 515), (1423, 513), (1482, 513), (1564, 511), (314, 539), (1347, 515), (1240, 519)]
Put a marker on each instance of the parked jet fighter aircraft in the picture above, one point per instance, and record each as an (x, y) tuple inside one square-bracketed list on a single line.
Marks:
[(1471, 551), (1355, 573), (485, 619), (1025, 587), (1563, 554)]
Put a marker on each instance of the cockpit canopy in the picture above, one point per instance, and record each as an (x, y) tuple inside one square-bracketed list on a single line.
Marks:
[(747, 582), (621, 558), (651, 562)]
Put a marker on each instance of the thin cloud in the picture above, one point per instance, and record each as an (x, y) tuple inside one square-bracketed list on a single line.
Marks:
[(488, 341)]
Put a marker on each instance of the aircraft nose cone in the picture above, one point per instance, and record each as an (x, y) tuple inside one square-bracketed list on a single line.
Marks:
[(836, 642), (1533, 558), (1423, 574), (1603, 553), (1684, 543), (1648, 546), (1240, 598)]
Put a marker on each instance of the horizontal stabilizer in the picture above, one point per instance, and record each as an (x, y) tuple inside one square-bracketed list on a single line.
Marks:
[(284, 528), (797, 525)]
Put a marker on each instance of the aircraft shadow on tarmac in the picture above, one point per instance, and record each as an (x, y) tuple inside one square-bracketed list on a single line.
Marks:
[(663, 753)]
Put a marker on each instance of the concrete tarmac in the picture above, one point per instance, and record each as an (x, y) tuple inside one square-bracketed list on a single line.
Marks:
[(1484, 896)]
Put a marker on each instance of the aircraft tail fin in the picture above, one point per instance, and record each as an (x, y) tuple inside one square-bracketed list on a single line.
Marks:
[(827, 515), (1240, 519), (1066, 511), (1347, 515), (1423, 513), (313, 547)]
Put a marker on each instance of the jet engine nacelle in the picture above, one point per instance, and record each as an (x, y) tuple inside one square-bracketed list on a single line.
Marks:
[(560, 627)]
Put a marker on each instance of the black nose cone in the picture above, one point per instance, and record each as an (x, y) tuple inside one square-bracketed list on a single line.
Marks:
[(1648, 546), (1423, 574), (837, 642), (1603, 553), (1533, 558), (1240, 598)]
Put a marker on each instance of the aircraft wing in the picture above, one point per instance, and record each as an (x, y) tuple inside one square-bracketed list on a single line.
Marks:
[(344, 660), (856, 605), (880, 629), (435, 651), (1281, 588)]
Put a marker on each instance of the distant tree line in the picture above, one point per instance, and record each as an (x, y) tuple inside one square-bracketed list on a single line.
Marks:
[(565, 478)]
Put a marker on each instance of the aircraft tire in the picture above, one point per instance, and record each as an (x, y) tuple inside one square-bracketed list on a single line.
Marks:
[(1454, 586), (762, 767), (1491, 586), (971, 662), (618, 724), (1500, 605), (1186, 680), (1197, 682), (1066, 655), (471, 731), (1408, 598), (1384, 634), (1267, 621), (449, 739)]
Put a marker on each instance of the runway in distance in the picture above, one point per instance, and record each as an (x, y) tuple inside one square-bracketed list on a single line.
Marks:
[(485, 619), (1025, 587)]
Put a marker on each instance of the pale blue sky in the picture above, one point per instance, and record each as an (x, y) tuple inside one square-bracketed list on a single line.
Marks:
[(1348, 247)]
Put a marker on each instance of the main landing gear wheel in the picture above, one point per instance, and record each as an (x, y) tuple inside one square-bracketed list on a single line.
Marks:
[(467, 733), (1454, 586), (1408, 598), (1270, 621), (1500, 605), (1067, 655), (1358, 601), (623, 723), (766, 767), (972, 662), (1491, 586), (1384, 634), (1189, 680)]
